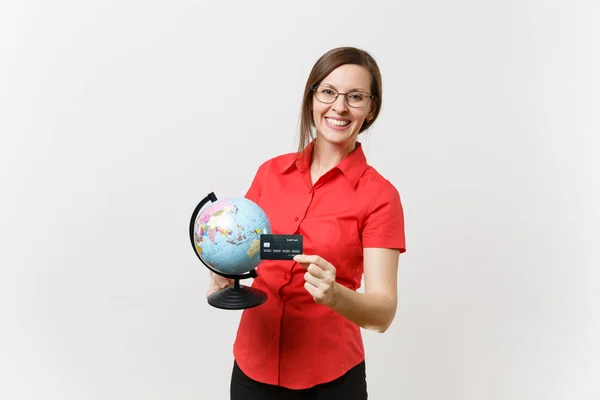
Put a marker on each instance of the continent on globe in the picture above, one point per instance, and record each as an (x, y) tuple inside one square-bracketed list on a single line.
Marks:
[(254, 248)]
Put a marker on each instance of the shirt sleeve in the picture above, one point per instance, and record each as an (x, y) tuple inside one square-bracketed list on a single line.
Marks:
[(384, 224), (254, 192)]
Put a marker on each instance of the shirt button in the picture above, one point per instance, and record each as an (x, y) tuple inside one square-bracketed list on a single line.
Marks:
[(274, 338), (296, 218)]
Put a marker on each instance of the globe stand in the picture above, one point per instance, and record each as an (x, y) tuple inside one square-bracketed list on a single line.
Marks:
[(235, 297)]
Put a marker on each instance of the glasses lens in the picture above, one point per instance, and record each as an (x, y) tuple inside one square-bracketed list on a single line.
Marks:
[(325, 94), (357, 99)]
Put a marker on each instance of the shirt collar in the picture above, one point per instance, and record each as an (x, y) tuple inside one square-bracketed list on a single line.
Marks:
[(352, 166)]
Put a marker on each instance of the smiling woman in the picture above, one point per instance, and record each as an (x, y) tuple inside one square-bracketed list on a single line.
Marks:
[(339, 116), (328, 77), (305, 342)]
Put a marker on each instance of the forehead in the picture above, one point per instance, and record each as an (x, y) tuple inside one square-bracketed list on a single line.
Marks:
[(349, 77)]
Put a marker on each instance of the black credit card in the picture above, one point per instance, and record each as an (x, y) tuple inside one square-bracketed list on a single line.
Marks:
[(280, 247)]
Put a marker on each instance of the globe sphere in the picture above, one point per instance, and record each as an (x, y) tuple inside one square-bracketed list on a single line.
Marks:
[(227, 235)]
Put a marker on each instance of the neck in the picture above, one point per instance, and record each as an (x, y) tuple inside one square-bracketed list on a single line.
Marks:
[(326, 155)]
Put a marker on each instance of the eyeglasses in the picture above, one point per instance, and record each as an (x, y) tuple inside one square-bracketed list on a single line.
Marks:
[(328, 95)]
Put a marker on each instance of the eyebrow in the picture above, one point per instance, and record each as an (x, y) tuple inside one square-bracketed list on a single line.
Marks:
[(349, 91)]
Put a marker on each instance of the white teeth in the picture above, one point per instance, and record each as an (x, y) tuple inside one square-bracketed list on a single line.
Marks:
[(337, 122)]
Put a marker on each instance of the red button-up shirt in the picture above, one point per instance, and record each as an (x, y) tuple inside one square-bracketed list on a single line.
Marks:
[(290, 340)]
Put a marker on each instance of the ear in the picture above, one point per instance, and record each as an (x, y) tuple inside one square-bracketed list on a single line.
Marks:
[(371, 113)]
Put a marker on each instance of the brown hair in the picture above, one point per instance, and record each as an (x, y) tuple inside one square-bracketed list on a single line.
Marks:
[(324, 66)]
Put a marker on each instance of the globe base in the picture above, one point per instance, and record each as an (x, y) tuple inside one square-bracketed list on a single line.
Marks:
[(237, 297)]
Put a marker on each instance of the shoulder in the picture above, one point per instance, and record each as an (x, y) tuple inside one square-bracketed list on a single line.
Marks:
[(277, 164), (375, 186), (266, 173), (383, 213)]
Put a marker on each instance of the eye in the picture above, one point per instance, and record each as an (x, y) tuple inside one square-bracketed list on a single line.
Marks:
[(327, 91), (356, 96)]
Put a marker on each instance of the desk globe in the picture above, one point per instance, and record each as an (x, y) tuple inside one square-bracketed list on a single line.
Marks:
[(225, 235)]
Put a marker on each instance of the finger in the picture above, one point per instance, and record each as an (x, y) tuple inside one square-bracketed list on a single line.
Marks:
[(301, 259), (313, 280), (306, 259), (224, 284), (312, 290), (316, 271), (313, 259)]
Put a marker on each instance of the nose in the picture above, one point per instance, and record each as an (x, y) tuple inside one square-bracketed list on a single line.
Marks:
[(339, 105)]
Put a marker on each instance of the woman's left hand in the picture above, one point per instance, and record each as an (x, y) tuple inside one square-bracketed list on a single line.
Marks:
[(319, 277)]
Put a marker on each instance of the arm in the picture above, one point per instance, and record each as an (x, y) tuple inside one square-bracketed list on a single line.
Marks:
[(383, 241), (376, 308)]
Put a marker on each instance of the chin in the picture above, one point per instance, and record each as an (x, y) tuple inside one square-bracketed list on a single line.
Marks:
[(338, 138)]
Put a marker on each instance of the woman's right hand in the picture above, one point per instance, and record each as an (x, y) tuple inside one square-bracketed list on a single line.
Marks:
[(217, 282)]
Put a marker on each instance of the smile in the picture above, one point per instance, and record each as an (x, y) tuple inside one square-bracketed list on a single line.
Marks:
[(337, 122)]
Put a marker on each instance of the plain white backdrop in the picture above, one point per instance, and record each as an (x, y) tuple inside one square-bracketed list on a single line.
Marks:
[(117, 117)]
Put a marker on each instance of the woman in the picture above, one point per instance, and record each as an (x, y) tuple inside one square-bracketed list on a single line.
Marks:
[(305, 342)]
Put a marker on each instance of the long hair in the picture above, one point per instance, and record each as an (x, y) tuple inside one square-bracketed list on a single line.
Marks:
[(324, 66)]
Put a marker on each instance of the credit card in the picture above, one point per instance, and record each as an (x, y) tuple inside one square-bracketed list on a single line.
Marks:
[(280, 247)]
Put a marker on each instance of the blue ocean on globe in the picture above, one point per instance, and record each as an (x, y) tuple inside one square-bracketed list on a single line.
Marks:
[(227, 234)]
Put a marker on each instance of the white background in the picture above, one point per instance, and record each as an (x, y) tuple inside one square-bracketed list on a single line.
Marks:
[(117, 117)]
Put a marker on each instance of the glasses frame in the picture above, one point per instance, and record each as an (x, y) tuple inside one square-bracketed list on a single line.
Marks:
[(314, 89)]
